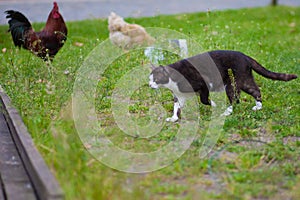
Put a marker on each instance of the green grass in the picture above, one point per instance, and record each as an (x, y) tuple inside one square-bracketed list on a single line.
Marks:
[(250, 169)]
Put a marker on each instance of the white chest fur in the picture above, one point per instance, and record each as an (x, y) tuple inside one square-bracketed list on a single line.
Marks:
[(173, 86)]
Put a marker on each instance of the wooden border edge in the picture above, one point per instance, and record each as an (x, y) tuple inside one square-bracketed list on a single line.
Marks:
[(43, 180)]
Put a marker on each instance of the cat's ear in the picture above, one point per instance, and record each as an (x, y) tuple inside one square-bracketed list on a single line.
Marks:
[(152, 66), (165, 69)]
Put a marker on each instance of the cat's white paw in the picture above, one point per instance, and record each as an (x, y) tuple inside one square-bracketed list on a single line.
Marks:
[(172, 119), (228, 111), (258, 106)]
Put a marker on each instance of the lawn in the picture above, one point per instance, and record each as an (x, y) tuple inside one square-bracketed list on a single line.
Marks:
[(257, 154)]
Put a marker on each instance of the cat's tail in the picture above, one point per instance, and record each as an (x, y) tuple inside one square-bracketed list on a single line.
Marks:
[(269, 74)]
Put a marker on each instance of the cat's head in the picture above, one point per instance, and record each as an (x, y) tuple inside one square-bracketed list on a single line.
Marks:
[(158, 77)]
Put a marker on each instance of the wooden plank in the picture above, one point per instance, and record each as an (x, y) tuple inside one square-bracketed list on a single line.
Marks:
[(2, 195), (15, 182), (43, 181), (3, 139), (1, 192), (19, 190)]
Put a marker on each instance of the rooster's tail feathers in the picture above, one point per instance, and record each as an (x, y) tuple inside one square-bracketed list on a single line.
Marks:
[(18, 25)]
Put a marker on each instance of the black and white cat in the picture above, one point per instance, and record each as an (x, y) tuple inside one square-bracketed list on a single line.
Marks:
[(212, 71)]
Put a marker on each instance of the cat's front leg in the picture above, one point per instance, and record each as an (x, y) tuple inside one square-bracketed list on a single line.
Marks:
[(178, 104), (175, 116)]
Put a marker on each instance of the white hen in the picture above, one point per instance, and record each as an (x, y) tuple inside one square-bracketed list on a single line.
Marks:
[(125, 35)]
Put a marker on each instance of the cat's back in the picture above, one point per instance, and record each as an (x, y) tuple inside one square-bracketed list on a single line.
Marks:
[(206, 61), (210, 57), (225, 59), (226, 55)]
